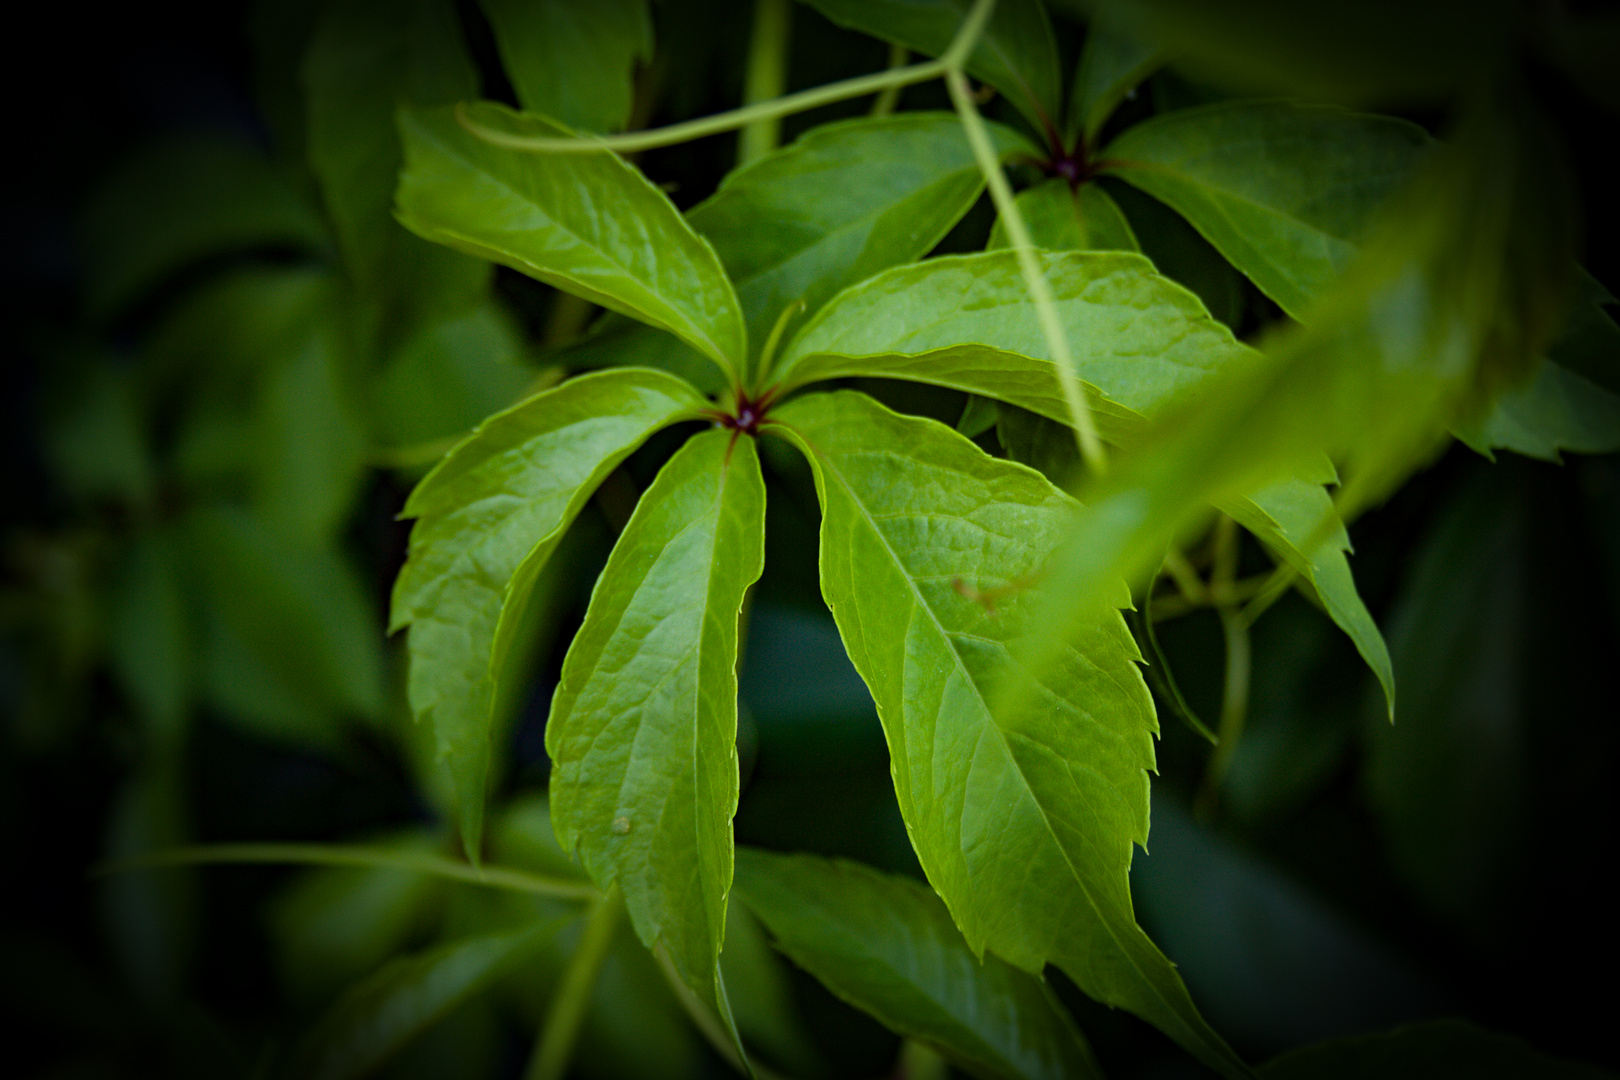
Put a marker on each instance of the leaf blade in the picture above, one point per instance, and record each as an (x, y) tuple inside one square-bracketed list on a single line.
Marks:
[(573, 60)]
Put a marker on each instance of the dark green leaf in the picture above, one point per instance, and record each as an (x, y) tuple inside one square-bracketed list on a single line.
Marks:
[(587, 223), (502, 500), (1061, 218), (1421, 1051), (1112, 63), (1023, 816), (761, 996), (151, 638), (1558, 411), (572, 60), (887, 945), (96, 440), (616, 341), (1016, 54), (643, 727), (151, 914)]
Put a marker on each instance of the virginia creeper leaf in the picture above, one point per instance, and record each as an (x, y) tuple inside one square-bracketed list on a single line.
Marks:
[(643, 727), (1022, 818), (1283, 191), (1440, 1047), (572, 60), (1112, 63), (760, 991), (1060, 218), (1016, 54), (887, 945), (502, 498), (589, 224)]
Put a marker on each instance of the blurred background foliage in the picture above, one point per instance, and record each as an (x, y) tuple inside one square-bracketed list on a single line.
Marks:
[(220, 393)]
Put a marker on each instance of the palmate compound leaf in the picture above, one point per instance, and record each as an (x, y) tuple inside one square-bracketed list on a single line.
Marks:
[(1022, 818), (573, 60), (500, 501), (587, 223), (643, 727), (886, 945)]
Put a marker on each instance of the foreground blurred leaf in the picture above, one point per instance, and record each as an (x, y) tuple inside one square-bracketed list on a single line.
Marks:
[(572, 60), (1061, 218), (643, 727), (887, 945), (586, 223), (500, 501), (1023, 818), (1441, 1048)]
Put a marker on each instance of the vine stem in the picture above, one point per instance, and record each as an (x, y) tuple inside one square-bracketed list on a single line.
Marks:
[(554, 1047), (766, 76), (886, 101), (367, 858)]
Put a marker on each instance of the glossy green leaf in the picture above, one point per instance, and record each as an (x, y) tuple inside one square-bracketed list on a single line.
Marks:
[(1023, 817), (1016, 54), (1180, 253), (887, 945), (380, 1016), (180, 201), (1112, 63), (573, 60), (842, 203), (587, 223), (643, 727), (1421, 1051), (1284, 191), (367, 59), (500, 500), (1060, 218)]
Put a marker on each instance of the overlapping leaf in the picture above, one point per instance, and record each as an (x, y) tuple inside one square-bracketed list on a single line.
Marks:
[(643, 727), (572, 60), (589, 224), (502, 500), (1419, 1051), (1023, 817), (1061, 218), (1112, 63), (887, 945)]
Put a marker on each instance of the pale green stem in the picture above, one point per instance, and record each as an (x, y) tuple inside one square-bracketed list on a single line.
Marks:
[(559, 1032), (1276, 584), (918, 1061), (885, 102), (766, 77), (1185, 577), (1040, 290), (1234, 706), (419, 862)]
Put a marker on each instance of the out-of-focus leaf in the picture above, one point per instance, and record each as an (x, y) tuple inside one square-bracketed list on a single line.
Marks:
[(180, 201), (617, 341), (151, 914), (96, 441), (1112, 63), (381, 1015), (448, 377), (1061, 218), (1590, 343), (367, 59), (887, 945), (1284, 191), (572, 60), (586, 223), (842, 203), (1022, 817), (280, 31), (761, 996), (1440, 1048), (643, 728), (524, 838), (150, 638), (498, 503), (235, 326), (1016, 54)]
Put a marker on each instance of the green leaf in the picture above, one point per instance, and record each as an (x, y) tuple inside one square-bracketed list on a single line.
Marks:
[(887, 945), (1061, 218), (1284, 191), (572, 60), (1112, 63), (380, 1016), (367, 59), (1138, 339), (1023, 818), (501, 500), (151, 915), (1438, 1048), (589, 224), (760, 992), (150, 636), (615, 341), (643, 727), (1016, 53), (180, 201), (842, 203)]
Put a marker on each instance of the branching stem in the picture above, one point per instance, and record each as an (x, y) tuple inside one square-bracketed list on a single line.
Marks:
[(555, 1046)]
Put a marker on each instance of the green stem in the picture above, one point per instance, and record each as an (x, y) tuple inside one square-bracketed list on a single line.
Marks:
[(885, 102), (1057, 342), (1272, 590), (766, 77), (560, 1031), (419, 862), (1234, 706)]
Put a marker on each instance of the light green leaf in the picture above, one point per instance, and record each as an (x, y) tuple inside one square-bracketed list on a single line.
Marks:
[(573, 60), (367, 59), (887, 945), (1284, 191), (1421, 1051), (643, 727), (1023, 817), (1061, 218), (1112, 63), (376, 1019), (586, 223), (842, 203), (502, 499), (1016, 54)]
